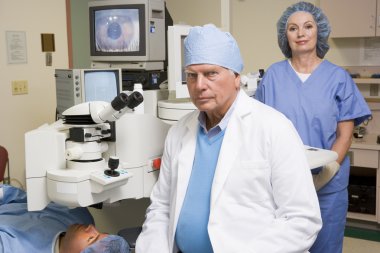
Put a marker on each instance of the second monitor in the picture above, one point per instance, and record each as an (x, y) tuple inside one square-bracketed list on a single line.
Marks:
[(75, 86)]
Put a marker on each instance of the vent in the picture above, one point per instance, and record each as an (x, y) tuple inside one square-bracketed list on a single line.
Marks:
[(78, 120)]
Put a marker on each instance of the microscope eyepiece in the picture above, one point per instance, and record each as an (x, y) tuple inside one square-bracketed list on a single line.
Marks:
[(117, 107), (119, 102), (135, 99), (123, 100)]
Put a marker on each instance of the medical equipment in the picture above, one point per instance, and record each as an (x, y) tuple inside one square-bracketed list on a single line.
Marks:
[(150, 79), (75, 86), (128, 34), (65, 161), (178, 103), (249, 83)]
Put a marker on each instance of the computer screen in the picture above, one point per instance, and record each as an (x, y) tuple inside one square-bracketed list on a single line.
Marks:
[(100, 85), (117, 30), (128, 34), (176, 66), (75, 86)]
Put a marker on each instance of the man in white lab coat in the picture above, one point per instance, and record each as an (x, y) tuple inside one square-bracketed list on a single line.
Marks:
[(234, 176)]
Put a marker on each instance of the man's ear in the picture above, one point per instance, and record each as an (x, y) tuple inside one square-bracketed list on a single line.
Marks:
[(237, 81)]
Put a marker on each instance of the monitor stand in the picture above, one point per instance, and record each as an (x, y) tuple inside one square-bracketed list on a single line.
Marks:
[(144, 65)]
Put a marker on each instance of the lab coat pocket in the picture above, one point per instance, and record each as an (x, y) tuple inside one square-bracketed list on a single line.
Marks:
[(252, 178)]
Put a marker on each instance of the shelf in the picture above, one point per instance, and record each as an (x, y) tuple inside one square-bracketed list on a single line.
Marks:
[(372, 100), (366, 80), (362, 216), (365, 162), (369, 87)]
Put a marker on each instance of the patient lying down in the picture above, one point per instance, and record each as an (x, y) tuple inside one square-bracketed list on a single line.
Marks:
[(87, 239), (56, 229)]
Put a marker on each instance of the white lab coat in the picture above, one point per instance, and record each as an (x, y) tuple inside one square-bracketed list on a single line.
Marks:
[(262, 199)]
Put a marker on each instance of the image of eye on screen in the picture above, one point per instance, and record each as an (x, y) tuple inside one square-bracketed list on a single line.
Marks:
[(117, 30)]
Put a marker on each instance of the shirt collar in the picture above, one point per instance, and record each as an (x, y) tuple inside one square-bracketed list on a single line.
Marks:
[(221, 125)]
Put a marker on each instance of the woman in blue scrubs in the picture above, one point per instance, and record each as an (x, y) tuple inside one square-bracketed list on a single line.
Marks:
[(324, 104)]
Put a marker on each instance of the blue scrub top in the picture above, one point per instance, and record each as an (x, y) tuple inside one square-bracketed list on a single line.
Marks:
[(23, 231), (315, 106)]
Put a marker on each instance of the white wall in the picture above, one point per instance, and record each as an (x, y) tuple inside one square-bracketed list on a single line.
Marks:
[(21, 113)]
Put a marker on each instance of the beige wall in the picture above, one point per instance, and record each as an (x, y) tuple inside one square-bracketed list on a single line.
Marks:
[(195, 12), (21, 113), (253, 24)]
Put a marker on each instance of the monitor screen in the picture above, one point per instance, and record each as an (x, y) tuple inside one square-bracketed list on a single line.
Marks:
[(117, 30), (101, 85), (176, 66)]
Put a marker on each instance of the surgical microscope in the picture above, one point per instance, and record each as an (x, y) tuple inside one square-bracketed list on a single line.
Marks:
[(66, 162)]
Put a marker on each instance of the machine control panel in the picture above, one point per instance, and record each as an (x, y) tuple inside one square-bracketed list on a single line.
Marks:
[(103, 179)]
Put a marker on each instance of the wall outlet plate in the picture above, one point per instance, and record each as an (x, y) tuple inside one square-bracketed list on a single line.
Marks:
[(20, 87)]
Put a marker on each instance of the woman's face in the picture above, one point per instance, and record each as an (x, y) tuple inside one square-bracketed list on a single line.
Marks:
[(301, 32)]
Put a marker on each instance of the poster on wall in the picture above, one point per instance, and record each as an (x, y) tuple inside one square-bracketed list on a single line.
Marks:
[(370, 52), (16, 47)]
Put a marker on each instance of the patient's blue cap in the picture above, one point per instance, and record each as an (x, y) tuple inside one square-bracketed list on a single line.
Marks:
[(210, 45), (109, 244)]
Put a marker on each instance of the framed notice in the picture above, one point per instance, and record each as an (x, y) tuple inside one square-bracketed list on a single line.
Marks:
[(370, 52), (16, 47)]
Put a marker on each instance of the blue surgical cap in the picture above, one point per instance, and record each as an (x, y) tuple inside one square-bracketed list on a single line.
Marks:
[(109, 244), (323, 28), (210, 45)]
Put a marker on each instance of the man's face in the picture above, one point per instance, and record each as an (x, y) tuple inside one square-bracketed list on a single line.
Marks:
[(212, 88), (78, 237)]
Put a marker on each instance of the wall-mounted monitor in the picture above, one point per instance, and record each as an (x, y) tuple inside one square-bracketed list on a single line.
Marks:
[(128, 34), (75, 86)]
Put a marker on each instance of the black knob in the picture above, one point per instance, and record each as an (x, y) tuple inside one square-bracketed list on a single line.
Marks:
[(113, 164), (261, 72)]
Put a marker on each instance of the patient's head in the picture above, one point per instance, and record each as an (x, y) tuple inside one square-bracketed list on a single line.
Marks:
[(81, 238)]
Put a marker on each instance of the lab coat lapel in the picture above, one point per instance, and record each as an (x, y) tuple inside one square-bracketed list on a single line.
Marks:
[(232, 142), (185, 160)]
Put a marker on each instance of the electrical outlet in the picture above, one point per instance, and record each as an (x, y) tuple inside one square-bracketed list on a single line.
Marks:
[(20, 87)]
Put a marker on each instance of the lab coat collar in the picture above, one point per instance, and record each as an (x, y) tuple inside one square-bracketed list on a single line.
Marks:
[(231, 145), (185, 162)]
